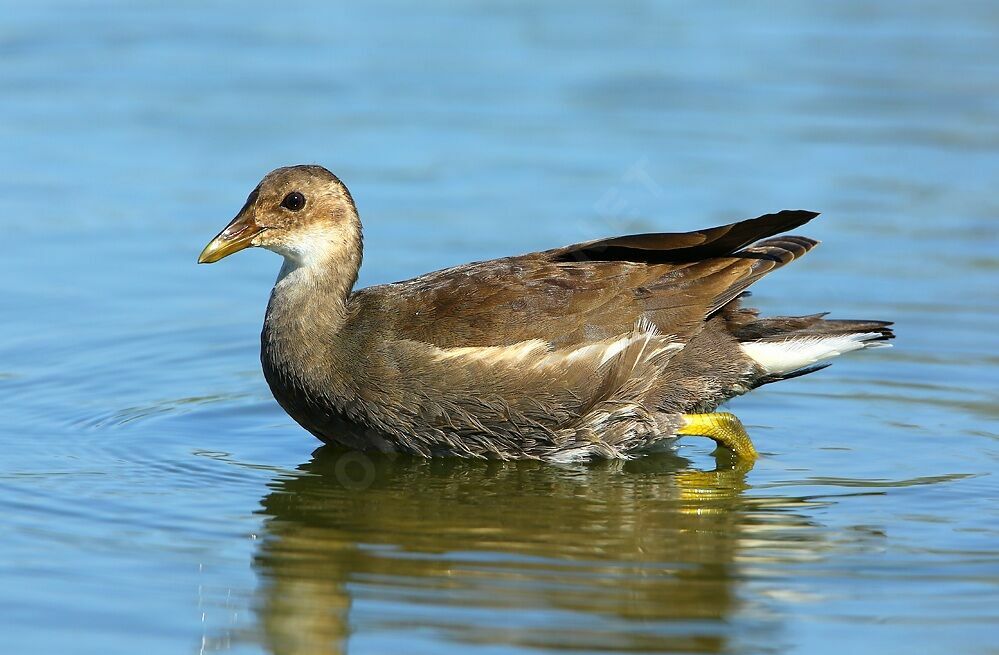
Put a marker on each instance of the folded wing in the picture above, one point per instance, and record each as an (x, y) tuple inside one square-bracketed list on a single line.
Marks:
[(592, 291)]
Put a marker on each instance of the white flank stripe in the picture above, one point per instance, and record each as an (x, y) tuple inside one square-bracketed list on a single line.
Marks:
[(536, 352), (535, 349), (792, 354)]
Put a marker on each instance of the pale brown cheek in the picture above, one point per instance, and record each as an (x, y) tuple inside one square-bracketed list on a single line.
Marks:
[(266, 240)]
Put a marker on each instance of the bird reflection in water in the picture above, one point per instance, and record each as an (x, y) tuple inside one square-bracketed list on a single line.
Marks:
[(639, 556)]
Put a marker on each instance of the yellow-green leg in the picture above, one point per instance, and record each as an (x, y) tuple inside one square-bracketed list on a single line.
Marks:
[(724, 428)]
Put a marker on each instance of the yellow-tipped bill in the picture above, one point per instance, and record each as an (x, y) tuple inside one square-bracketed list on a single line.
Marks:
[(236, 236)]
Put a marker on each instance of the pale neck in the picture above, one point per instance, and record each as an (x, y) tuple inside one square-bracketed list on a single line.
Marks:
[(308, 304)]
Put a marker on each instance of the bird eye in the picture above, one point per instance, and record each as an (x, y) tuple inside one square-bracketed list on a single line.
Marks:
[(293, 201)]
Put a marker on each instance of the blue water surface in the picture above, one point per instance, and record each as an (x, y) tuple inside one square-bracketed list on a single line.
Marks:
[(157, 500)]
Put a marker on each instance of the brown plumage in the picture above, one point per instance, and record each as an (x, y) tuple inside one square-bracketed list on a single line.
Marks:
[(591, 350)]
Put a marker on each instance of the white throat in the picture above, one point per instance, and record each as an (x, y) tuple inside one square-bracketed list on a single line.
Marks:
[(320, 261), (309, 254)]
